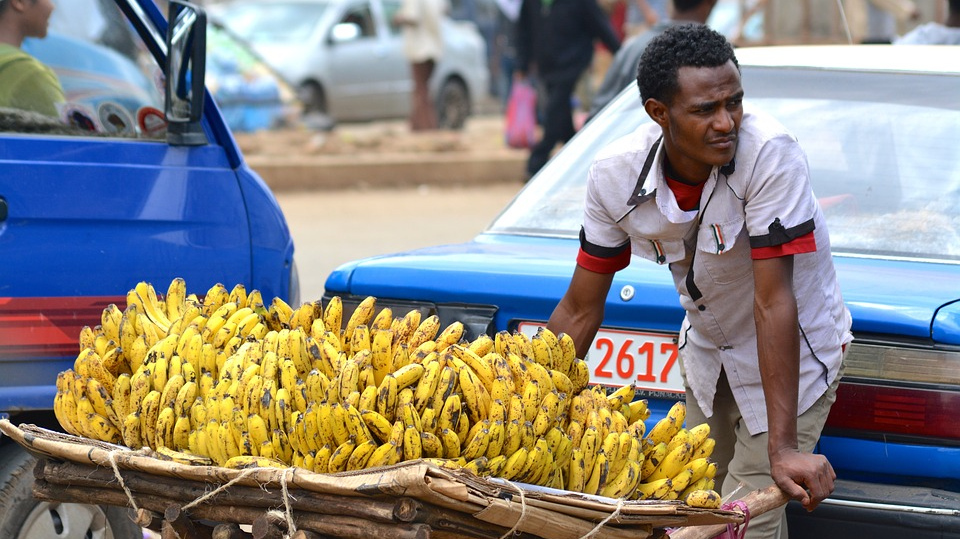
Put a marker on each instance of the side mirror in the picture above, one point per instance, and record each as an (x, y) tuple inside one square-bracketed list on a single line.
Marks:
[(186, 65), (345, 31)]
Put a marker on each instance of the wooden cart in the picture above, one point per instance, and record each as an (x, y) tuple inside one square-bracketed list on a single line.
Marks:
[(410, 500)]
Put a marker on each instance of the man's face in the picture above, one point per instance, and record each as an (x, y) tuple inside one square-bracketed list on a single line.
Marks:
[(700, 126), (37, 17)]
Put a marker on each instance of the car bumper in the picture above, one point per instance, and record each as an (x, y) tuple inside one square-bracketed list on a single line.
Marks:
[(877, 511)]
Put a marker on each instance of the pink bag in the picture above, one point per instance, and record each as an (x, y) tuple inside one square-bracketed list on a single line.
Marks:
[(521, 115)]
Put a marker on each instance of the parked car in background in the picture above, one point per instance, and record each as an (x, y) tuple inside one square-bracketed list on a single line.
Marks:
[(880, 126), (346, 57), (250, 94)]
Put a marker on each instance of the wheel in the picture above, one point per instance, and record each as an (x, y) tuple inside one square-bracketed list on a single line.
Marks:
[(453, 105), (313, 98), (24, 517)]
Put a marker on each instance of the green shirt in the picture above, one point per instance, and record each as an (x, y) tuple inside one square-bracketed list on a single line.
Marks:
[(27, 84)]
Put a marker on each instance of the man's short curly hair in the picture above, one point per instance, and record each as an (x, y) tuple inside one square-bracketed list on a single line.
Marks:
[(685, 45)]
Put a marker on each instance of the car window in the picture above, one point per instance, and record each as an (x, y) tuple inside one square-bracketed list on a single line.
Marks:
[(881, 149), (274, 22), (111, 85), (363, 18), (390, 9)]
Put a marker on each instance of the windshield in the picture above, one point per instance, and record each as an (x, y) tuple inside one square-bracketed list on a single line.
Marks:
[(273, 22), (881, 147)]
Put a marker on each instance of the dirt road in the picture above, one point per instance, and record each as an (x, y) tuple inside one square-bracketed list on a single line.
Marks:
[(333, 227)]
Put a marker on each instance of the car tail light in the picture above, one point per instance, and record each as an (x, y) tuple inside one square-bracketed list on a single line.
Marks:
[(899, 391)]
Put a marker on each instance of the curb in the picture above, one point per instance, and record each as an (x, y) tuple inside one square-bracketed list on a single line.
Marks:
[(342, 172)]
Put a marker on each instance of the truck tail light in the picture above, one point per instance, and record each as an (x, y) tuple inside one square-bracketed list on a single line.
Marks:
[(899, 391)]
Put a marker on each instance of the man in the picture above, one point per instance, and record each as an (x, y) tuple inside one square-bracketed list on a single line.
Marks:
[(722, 196), (25, 83), (623, 70), (423, 47), (557, 36), (934, 33)]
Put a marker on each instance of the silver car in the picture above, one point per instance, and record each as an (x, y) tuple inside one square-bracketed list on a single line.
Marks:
[(346, 57)]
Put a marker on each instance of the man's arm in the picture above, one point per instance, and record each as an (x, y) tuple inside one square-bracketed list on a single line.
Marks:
[(803, 476), (580, 311)]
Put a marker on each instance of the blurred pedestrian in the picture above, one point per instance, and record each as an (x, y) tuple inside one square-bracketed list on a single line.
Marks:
[(623, 70), (935, 33), (505, 43), (25, 82), (642, 15), (555, 38), (875, 21), (423, 46)]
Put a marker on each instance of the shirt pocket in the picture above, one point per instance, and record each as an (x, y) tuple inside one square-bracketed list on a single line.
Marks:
[(724, 251), (661, 251)]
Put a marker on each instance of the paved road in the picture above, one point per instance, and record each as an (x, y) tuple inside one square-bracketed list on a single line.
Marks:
[(333, 227)]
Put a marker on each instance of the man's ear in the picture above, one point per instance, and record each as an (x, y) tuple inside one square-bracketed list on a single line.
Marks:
[(657, 110)]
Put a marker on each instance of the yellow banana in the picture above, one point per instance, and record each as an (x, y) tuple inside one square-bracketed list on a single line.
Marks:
[(705, 449), (149, 413), (450, 442), (241, 462), (698, 434), (482, 345), (576, 472), (387, 395), (653, 490), (408, 375), (547, 414), (477, 440), (361, 455), (653, 457), (663, 430), (515, 464), (579, 375), (381, 349), (412, 444), (672, 463), (707, 499), (333, 315)]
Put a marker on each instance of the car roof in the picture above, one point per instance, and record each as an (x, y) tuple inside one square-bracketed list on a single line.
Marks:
[(892, 58)]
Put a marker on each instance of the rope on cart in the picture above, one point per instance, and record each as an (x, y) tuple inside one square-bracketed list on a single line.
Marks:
[(112, 457), (291, 527), (221, 488), (602, 523), (523, 510)]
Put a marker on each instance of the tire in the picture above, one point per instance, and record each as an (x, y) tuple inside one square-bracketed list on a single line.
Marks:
[(313, 98), (453, 105), (24, 517)]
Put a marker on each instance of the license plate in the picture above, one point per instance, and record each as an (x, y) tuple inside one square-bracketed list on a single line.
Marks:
[(620, 357)]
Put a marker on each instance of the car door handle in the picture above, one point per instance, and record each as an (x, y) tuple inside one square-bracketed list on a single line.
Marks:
[(4, 210)]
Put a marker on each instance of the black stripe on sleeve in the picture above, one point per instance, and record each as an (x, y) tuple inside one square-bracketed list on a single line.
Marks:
[(599, 251), (780, 235)]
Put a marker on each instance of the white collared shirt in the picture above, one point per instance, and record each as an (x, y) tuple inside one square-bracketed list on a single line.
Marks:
[(764, 201)]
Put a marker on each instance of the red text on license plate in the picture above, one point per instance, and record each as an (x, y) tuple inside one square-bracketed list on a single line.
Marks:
[(620, 357)]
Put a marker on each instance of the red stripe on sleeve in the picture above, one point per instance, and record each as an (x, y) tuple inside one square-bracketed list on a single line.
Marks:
[(604, 265), (804, 244)]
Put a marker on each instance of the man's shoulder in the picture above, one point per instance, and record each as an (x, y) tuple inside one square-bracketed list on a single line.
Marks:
[(626, 148)]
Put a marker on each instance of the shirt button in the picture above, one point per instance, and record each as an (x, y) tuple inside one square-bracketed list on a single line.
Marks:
[(643, 191), (701, 308)]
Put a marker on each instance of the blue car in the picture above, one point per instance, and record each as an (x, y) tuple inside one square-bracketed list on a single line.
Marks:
[(880, 125), (139, 179)]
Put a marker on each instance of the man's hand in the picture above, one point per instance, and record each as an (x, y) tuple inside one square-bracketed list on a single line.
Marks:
[(805, 477)]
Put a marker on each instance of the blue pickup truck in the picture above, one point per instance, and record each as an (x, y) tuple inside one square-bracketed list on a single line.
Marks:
[(139, 179)]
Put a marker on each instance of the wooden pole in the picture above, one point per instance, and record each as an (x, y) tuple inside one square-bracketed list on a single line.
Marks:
[(346, 527)]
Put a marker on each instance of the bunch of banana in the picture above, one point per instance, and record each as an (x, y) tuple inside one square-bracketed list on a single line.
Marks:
[(238, 382)]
